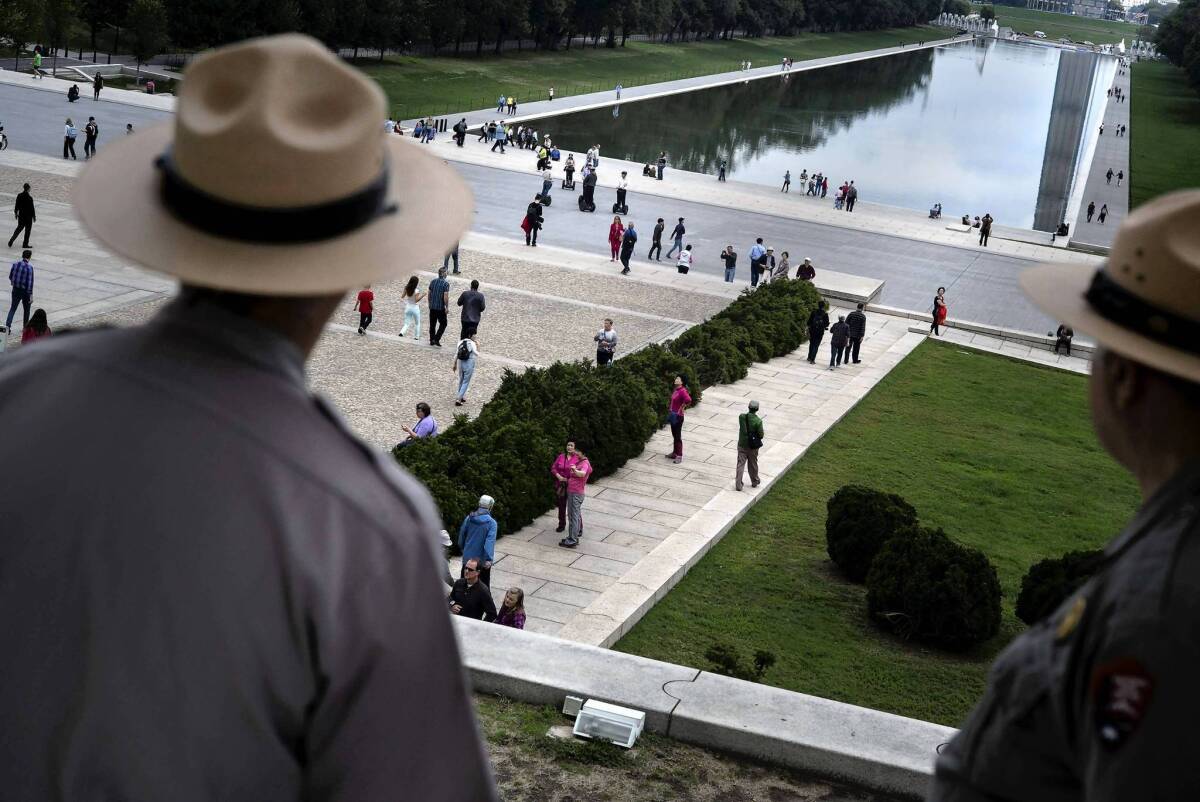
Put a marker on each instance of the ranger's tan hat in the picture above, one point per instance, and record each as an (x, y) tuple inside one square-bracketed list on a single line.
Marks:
[(1144, 301), (276, 177)]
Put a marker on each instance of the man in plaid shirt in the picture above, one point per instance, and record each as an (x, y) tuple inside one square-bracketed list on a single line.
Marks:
[(21, 277)]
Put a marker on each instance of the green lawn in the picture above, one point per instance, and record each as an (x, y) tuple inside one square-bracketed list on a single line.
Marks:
[(420, 86), (1164, 131), (999, 453), (1055, 26)]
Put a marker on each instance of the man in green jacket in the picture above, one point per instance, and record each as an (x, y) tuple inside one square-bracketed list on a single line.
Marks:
[(750, 438)]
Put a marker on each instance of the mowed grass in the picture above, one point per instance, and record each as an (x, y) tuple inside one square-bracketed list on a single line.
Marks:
[(1056, 26), (1164, 131), (421, 86), (997, 452)]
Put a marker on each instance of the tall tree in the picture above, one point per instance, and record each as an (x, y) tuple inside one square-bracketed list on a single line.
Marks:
[(20, 23), (148, 29), (58, 17)]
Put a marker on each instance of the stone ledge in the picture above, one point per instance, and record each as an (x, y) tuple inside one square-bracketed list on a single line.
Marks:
[(875, 750)]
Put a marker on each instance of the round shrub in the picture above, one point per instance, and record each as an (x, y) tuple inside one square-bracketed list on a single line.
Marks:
[(925, 586), (1050, 582), (859, 521)]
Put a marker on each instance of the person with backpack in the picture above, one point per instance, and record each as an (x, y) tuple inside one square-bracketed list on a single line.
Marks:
[(460, 131), (464, 366), (750, 440), (90, 132), (533, 220)]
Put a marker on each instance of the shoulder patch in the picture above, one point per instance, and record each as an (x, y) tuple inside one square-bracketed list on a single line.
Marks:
[(1121, 691)]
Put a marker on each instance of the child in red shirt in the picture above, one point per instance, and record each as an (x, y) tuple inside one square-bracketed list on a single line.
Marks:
[(365, 305)]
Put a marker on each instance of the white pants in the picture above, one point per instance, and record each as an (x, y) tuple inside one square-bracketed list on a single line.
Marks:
[(412, 317)]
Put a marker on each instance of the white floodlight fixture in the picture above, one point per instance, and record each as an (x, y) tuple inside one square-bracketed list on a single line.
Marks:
[(571, 706), (618, 725)]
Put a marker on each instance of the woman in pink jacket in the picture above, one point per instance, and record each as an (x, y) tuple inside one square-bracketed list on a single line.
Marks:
[(561, 471), (680, 400), (615, 232)]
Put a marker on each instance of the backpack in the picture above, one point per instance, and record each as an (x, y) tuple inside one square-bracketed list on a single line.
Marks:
[(752, 439), (464, 351)]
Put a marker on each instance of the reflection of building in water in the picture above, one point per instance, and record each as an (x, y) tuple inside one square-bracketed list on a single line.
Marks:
[(1064, 135)]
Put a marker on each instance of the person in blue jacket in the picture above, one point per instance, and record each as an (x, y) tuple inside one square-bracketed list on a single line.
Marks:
[(477, 538)]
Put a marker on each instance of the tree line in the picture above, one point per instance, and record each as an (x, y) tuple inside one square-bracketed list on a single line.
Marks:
[(466, 25), (1178, 39)]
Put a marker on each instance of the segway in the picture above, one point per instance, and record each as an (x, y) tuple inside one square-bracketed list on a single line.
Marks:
[(568, 183), (586, 204), (619, 208)]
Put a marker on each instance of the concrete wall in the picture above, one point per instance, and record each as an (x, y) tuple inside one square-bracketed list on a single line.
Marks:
[(867, 748)]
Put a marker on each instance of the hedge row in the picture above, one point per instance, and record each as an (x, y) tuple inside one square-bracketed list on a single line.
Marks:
[(920, 583), (507, 449)]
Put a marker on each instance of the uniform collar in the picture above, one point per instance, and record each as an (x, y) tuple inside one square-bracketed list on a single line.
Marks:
[(1179, 490), (201, 323)]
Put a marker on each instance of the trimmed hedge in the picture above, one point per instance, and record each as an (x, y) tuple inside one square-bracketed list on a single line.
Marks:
[(506, 450), (859, 521), (923, 585), (1050, 582)]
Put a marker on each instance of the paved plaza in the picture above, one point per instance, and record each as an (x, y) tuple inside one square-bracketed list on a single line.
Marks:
[(1112, 151)]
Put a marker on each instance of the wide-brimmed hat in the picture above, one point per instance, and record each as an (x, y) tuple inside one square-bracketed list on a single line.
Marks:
[(276, 177), (1144, 300)]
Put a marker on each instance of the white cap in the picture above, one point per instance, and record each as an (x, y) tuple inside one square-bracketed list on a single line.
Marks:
[(486, 502)]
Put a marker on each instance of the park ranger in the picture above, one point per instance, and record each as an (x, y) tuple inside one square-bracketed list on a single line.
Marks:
[(1100, 701), (209, 589)]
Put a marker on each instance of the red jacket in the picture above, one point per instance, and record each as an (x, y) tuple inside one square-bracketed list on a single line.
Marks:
[(615, 232)]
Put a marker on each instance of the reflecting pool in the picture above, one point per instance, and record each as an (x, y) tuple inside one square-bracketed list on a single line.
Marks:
[(984, 126)]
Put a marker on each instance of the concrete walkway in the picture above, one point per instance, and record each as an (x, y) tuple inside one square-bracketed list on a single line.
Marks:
[(645, 525), (599, 100), (1112, 151)]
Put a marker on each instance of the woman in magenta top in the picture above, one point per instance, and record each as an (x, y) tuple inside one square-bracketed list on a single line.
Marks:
[(615, 232), (512, 610), (561, 471), (680, 400)]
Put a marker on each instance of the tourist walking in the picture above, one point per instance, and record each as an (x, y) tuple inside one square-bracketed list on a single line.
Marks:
[(37, 63), (806, 271), (69, 135), (473, 304), (1108, 176), (662, 164), (985, 229), (729, 257), (839, 336), (677, 235), (628, 240), (1120, 177), (251, 609), (856, 322), (500, 104), (1091, 208), (364, 304), (615, 232), (1103, 213), (606, 343), (851, 197), (501, 138), (551, 93), (684, 263), (939, 312), (758, 257), (471, 597), (655, 252), (20, 276), (787, 181), (680, 401), (26, 216), (465, 357), (1090, 703), (577, 477), (619, 87), (721, 170), (750, 440), (412, 308), (90, 132), (477, 538), (439, 303), (512, 608), (451, 255), (818, 322), (531, 224), (460, 131), (561, 472)]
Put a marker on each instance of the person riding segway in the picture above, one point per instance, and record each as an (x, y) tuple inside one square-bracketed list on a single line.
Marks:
[(620, 207), (568, 181), (587, 201)]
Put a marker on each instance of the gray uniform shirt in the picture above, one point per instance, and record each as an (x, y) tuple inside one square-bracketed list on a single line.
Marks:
[(1099, 702), (210, 590)]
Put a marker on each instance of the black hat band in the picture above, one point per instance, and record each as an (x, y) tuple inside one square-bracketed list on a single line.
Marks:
[(1118, 305)]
